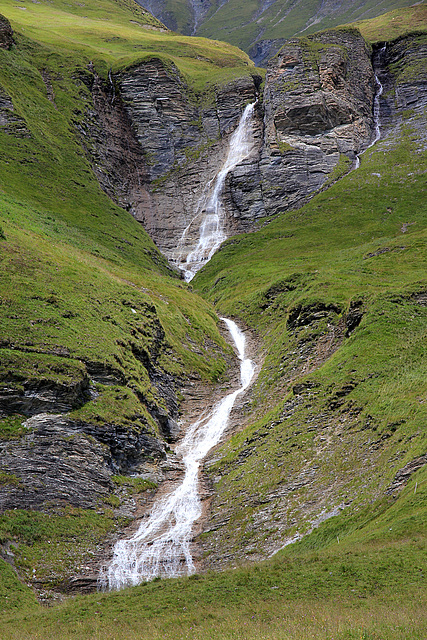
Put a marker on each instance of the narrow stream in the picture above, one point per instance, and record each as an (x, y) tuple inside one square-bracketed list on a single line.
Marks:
[(161, 546), (376, 112)]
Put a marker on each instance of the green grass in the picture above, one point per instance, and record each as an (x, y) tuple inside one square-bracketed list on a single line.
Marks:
[(83, 288), (114, 34), (52, 547), (351, 406), (135, 484), (242, 24), (80, 280), (394, 24), (367, 585)]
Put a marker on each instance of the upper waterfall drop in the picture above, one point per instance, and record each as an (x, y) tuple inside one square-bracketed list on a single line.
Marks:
[(210, 213)]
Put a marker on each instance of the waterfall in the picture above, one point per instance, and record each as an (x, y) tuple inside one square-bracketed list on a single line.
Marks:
[(210, 215), (161, 546), (376, 112)]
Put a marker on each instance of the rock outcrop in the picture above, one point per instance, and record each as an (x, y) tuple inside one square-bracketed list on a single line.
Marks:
[(318, 106), (184, 144), (10, 122), (72, 462), (54, 463), (6, 33), (400, 66)]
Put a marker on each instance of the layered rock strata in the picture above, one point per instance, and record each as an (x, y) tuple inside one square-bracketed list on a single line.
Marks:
[(166, 144), (6, 33), (401, 68), (318, 107)]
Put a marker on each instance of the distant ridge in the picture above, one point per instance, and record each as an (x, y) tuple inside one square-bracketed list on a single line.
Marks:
[(253, 30)]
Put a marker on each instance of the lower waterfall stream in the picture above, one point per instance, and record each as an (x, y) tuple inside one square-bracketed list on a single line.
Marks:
[(161, 546)]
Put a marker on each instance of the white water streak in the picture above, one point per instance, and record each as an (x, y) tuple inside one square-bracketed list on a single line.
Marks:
[(161, 546), (210, 214), (376, 113)]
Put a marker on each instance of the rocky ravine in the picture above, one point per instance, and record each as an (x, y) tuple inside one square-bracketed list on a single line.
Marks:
[(249, 518), (154, 145)]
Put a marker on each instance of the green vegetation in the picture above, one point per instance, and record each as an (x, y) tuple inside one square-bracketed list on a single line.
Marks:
[(243, 23), (394, 24), (135, 484), (367, 585), (80, 280), (115, 34), (83, 290), (12, 427), (51, 548)]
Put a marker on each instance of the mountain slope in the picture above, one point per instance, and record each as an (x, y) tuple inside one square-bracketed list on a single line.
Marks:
[(247, 23), (98, 334), (336, 291)]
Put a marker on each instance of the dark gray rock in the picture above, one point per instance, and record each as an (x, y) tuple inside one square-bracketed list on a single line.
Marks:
[(10, 122), (54, 463), (401, 68), (402, 476), (36, 396), (6, 33), (318, 105), (70, 461)]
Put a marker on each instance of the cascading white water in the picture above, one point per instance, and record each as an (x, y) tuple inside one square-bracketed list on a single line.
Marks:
[(161, 546), (376, 113), (210, 215)]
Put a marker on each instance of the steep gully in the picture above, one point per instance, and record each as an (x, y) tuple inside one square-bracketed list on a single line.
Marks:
[(310, 115), (162, 544)]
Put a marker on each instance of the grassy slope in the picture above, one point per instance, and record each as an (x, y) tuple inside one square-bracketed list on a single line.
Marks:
[(282, 19), (73, 264), (64, 237), (370, 586), (112, 35)]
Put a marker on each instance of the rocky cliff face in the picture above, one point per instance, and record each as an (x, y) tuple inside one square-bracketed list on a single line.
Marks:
[(165, 144), (401, 68), (318, 107), (6, 33)]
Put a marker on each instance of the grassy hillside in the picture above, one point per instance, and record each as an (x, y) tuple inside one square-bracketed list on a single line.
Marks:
[(83, 290), (243, 23), (117, 34), (67, 250), (369, 585), (394, 23)]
